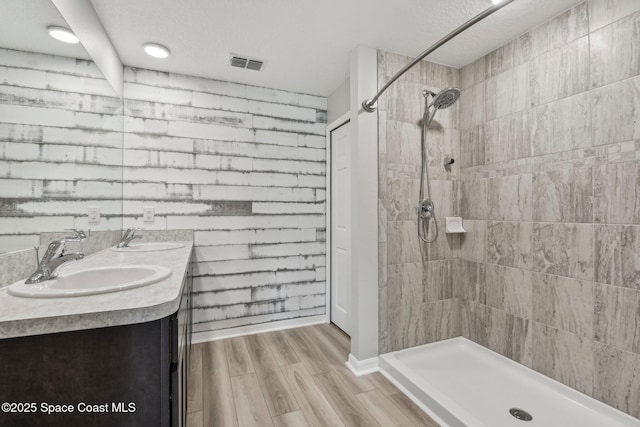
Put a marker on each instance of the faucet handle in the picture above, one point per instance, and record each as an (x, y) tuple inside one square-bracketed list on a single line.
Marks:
[(52, 250), (78, 237), (37, 249), (130, 233), (128, 236)]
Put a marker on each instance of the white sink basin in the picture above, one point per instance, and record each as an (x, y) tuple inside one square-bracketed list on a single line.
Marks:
[(149, 247), (92, 281)]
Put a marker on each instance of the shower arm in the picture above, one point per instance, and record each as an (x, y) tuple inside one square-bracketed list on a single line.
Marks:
[(369, 105)]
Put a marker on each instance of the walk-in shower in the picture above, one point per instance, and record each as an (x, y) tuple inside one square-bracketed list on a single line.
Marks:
[(444, 99), (426, 209)]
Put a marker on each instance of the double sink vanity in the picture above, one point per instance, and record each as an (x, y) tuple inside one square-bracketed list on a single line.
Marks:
[(100, 340)]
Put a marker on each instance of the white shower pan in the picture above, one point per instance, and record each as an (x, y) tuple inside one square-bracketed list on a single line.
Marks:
[(462, 384)]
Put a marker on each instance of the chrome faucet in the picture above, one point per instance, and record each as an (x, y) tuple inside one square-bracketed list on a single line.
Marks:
[(129, 235), (55, 257)]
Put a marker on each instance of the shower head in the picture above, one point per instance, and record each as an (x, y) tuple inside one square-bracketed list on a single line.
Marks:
[(445, 98)]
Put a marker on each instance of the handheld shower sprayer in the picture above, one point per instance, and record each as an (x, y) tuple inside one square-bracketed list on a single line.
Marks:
[(426, 208)]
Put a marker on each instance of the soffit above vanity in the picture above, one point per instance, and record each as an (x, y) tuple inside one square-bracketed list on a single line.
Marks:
[(23, 25)]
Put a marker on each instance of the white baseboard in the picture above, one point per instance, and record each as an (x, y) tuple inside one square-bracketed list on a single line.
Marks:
[(362, 367), (199, 337)]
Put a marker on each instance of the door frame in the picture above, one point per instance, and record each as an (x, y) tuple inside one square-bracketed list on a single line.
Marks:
[(342, 120)]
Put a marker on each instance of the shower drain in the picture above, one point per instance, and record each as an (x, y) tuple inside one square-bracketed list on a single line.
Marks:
[(520, 414)]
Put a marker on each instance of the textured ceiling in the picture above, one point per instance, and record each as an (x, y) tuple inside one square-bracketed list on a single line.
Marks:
[(23, 26), (305, 43)]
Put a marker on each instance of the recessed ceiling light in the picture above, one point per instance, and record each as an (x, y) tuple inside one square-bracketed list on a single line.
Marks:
[(496, 1), (156, 50), (63, 34)]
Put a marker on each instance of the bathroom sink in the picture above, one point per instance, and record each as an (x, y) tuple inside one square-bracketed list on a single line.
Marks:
[(92, 281), (149, 247)]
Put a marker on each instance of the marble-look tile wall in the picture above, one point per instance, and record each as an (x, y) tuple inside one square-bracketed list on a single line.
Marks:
[(549, 188), (416, 295), (244, 168)]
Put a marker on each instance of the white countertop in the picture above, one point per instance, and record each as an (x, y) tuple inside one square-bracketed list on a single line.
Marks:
[(34, 316)]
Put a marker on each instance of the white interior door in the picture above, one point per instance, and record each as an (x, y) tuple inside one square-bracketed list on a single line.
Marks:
[(340, 227)]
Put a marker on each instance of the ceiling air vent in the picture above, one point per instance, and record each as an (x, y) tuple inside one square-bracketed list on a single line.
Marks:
[(255, 65), (247, 63), (236, 61)]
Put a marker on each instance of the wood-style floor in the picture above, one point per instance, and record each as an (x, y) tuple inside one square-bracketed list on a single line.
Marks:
[(291, 378)]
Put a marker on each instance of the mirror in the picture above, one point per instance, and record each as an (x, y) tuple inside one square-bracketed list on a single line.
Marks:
[(61, 133)]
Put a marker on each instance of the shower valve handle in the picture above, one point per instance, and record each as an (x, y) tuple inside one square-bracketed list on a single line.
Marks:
[(425, 209)]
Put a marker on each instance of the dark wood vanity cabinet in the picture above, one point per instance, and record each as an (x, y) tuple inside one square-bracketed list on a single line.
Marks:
[(131, 376), (181, 330)]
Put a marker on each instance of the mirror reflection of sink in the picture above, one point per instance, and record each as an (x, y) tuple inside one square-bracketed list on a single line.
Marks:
[(100, 280), (149, 247)]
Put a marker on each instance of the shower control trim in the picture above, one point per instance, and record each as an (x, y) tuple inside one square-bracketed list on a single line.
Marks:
[(426, 209)]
